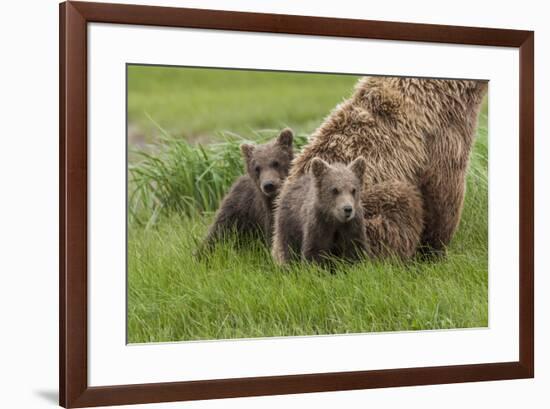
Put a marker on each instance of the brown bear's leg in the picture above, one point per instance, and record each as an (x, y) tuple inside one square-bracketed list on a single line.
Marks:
[(443, 199), (394, 219)]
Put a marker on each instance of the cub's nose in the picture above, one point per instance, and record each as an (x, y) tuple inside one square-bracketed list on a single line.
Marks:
[(268, 187), (347, 210)]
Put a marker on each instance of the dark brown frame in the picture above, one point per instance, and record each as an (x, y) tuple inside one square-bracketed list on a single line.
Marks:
[(73, 380)]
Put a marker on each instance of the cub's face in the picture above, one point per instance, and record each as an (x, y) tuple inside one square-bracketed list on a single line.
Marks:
[(339, 187), (268, 164)]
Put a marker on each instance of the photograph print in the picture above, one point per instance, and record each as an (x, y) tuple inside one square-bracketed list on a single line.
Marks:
[(277, 204)]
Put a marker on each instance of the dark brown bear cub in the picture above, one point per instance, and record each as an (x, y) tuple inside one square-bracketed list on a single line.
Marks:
[(248, 207), (320, 214)]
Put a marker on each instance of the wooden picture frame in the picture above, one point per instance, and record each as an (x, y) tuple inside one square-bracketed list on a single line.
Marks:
[(73, 229)]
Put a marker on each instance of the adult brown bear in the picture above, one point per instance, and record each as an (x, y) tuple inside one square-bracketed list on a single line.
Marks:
[(416, 136)]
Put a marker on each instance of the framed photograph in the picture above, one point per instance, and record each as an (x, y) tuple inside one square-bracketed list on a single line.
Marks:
[(259, 204)]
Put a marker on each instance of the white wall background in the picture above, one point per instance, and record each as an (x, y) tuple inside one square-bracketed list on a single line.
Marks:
[(29, 213)]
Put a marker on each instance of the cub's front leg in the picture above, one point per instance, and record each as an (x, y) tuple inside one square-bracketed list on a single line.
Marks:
[(316, 245), (353, 243)]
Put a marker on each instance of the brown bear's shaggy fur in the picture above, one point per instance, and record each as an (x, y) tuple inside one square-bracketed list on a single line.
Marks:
[(320, 214), (248, 207), (416, 131), (393, 219)]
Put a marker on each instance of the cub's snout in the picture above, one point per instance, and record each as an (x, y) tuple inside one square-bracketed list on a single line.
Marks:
[(270, 187), (345, 212), (348, 212)]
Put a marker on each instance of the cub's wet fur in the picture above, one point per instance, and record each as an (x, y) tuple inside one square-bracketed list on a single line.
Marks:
[(320, 214), (247, 209)]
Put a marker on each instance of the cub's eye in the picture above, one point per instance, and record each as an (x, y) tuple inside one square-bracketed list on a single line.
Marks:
[(275, 164), (257, 169), (335, 191), (353, 191)]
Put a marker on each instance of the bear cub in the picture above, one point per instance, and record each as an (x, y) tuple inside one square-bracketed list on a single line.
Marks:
[(248, 207), (320, 214)]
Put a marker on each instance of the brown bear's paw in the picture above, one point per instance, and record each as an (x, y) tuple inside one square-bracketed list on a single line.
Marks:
[(394, 219)]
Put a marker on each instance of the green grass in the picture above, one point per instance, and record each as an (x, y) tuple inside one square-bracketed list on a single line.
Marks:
[(238, 292), (200, 104)]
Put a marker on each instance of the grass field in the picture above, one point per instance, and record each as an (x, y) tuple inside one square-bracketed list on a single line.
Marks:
[(199, 104), (176, 185)]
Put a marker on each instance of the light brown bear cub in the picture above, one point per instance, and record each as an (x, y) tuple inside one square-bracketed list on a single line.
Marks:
[(319, 214), (248, 207)]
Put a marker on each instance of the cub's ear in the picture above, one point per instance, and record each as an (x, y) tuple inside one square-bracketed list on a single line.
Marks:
[(247, 151), (319, 167), (358, 167), (285, 138)]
